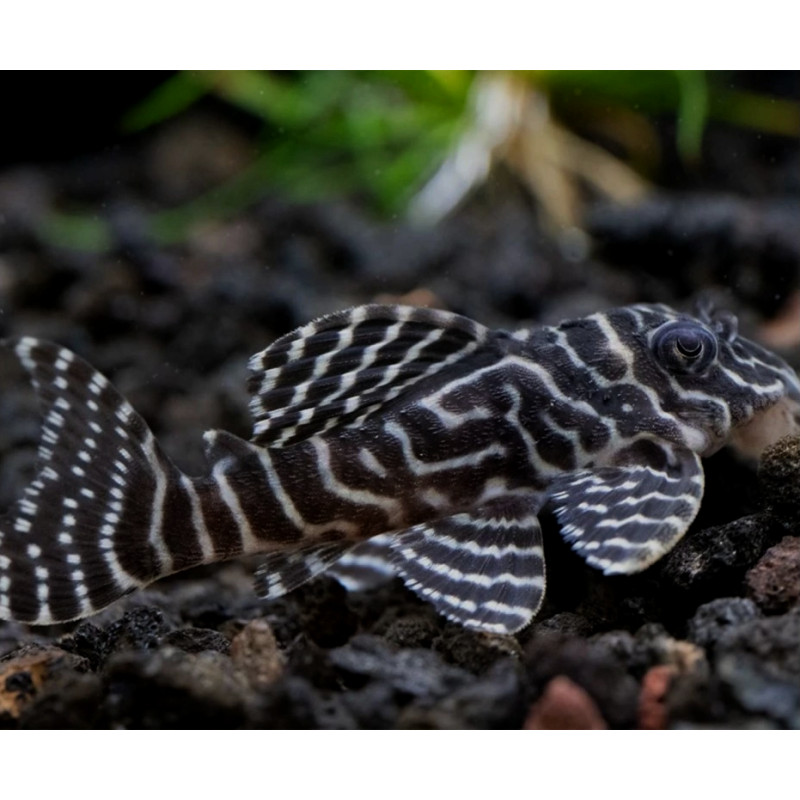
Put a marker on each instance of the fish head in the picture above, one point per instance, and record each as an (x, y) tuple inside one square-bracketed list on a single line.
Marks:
[(728, 388)]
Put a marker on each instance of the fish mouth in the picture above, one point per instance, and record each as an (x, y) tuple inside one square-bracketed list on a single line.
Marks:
[(767, 426)]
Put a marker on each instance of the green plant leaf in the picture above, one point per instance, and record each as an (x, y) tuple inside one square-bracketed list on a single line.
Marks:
[(175, 95), (692, 112)]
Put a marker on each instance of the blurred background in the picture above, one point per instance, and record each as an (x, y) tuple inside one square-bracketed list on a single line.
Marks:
[(168, 224)]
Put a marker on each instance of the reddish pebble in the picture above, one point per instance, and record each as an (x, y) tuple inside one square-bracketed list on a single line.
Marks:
[(774, 582), (652, 705), (564, 706)]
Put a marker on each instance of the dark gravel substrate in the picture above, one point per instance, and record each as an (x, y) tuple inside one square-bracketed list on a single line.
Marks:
[(710, 636)]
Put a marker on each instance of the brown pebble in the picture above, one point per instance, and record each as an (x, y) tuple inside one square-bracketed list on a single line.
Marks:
[(255, 653), (774, 582), (564, 706), (23, 673), (652, 699)]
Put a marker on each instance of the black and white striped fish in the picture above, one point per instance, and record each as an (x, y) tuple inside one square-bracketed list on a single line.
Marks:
[(397, 436)]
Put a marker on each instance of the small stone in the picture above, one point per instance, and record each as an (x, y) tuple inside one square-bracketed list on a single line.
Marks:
[(566, 622), (711, 619), (412, 630), (255, 653), (758, 663), (87, 641), (652, 699), (774, 583), (196, 640), (564, 706), (494, 701), (139, 629), (24, 673), (475, 651), (413, 671), (620, 643), (712, 562), (779, 477)]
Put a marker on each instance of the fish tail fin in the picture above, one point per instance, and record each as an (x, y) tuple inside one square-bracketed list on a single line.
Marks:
[(92, 525)]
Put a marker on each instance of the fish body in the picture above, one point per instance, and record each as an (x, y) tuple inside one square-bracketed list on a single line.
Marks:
[(389, 437)]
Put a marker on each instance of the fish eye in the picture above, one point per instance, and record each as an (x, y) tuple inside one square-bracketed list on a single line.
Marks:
[(685, 346)]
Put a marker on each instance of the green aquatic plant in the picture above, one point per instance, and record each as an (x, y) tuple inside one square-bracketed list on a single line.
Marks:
[(382, 136)]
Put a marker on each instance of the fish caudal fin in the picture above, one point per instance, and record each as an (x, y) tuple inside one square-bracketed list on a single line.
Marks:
[(89, 528)]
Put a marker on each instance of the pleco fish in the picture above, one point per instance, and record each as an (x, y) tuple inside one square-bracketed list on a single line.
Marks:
[(398, 438)]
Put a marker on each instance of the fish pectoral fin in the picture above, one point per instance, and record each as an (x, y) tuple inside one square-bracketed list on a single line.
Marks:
[(282, 571), (483, 568), (339, 369), (623, 519), (367, 565)]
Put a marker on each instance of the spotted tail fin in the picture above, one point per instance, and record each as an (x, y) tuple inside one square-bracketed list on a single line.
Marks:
[(90, 527)]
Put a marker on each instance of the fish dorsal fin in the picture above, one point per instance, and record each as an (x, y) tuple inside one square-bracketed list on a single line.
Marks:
[(623, 519), (483, 568), (340, 368)]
